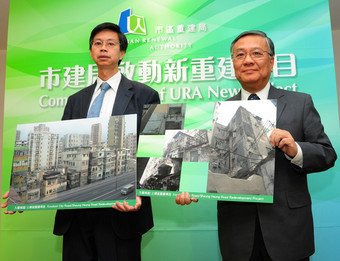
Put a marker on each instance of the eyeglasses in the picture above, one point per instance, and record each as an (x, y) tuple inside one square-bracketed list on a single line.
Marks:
[(255, 54), (110, 44)]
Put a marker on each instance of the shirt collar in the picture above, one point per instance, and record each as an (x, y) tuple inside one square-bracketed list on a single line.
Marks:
[(113, 82), (263, 94)]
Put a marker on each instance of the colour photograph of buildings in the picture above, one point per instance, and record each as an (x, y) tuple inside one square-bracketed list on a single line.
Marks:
[(85, 160)]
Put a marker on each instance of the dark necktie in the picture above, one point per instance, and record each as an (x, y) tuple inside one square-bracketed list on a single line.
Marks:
[(98, 101), (253, 96)]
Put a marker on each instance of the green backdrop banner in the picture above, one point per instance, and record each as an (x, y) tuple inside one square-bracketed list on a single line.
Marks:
[(181, 49)]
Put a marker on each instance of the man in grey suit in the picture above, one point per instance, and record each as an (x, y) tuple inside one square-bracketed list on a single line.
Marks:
[(107, 234), (283, 230)]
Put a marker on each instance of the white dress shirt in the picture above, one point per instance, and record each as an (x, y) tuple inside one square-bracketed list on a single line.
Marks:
[(110, 95)]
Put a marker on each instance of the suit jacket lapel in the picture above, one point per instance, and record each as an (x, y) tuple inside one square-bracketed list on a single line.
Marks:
[(281, 104), (123, 96), (236, 97), (86, 98)]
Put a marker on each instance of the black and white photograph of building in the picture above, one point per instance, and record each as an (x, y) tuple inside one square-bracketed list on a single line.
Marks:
[(242, 159), (190, 145), (160, 117), (181, 145), (161, 174)]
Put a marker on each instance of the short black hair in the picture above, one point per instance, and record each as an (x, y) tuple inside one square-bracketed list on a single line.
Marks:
[(123, 43), (255, 32)]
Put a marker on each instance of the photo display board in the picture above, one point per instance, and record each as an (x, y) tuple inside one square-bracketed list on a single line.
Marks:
[(86, 163), (217, 151)]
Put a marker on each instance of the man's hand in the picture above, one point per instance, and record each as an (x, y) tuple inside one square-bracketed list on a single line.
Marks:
[(125, 206), (185, 199), (4, 205), (284, 141)]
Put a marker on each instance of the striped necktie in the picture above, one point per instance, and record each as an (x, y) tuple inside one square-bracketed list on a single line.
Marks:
[(94, 110)]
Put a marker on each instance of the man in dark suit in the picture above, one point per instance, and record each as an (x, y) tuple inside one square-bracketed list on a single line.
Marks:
[(107, 234), (283, 230)]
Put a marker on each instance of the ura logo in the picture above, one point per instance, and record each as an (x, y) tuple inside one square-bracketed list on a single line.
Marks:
[(131, 24)]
